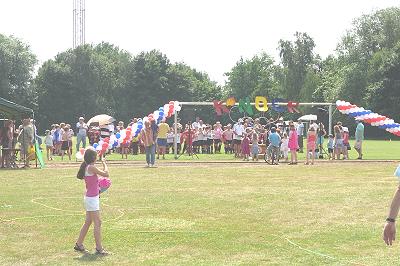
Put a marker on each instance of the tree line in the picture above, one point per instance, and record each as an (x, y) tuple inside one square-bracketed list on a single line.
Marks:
[(102, 78)]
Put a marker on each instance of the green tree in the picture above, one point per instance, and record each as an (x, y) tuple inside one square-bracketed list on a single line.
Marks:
[(252, 77), (17, 64), (82, 81), (297, 58)]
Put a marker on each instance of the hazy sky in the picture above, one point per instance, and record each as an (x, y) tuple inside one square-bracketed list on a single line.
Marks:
[(209, 35)]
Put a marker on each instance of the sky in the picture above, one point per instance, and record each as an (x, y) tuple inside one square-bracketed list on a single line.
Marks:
[(209, 35)]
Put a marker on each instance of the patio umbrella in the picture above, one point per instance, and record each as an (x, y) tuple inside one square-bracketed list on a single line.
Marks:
[(308, 118), (101, 120)]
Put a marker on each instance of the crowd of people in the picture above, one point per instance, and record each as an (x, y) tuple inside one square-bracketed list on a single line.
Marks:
[(245, 139), (23, 137)]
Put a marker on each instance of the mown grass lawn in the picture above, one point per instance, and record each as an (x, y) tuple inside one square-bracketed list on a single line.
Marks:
[(373, 150), (204, 215)]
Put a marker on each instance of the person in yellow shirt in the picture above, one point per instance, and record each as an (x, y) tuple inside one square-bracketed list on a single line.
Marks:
[(163, 129)]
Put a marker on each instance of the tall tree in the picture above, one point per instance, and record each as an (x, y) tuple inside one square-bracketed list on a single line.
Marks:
[(252, 77), (17, 64), (297, 58)]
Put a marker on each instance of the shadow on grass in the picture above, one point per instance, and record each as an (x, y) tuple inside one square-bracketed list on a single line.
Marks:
[(89, 257)]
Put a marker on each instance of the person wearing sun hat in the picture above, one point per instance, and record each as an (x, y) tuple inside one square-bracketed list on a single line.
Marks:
[(81, 133)]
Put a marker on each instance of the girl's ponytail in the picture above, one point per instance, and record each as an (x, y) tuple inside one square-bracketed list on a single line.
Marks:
[(81, 172), (88, 158)]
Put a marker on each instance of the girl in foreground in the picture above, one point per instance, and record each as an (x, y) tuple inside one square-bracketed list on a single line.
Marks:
[(90, 172)]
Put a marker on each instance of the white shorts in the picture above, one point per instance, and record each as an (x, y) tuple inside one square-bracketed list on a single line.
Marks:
[(91, 203)]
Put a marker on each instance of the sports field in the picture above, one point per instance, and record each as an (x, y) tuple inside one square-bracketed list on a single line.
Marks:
[(204, 214)]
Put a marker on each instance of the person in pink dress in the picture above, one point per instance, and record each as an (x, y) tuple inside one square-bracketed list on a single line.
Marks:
[(293, 144), (246, 147), (311, 145)]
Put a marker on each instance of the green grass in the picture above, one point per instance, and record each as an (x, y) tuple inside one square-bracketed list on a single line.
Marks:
[(373, 150), (204, 215)]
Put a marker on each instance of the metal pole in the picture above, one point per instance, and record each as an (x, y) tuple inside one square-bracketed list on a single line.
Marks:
[(175, 135), (330, 119)]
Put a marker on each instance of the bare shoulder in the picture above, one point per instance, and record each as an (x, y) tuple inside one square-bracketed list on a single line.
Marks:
[(92, 169)]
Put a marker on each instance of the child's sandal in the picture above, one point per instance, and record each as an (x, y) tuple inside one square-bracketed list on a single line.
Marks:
[(101, 252), (80, 248)]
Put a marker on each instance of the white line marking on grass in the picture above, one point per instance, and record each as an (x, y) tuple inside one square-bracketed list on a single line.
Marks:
[(35, 201), (318, 253), (308, 250), (69, 212), (37, 217)]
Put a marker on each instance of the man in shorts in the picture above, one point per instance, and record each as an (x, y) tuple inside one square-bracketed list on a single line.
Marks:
[(359, 136), (163, 129)]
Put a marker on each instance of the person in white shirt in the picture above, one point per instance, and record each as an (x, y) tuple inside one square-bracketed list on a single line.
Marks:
[(314, 125), (238, 130), (300, 134), (81, 135)]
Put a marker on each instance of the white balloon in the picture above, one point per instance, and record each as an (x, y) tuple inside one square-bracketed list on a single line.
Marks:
[(156, 115), (79, 156), (166, 109)]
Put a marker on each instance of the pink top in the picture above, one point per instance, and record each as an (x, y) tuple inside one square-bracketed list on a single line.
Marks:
[(218, 133), (345, 138), (293, 140), (92, 184), (228, 134), (311, 138)]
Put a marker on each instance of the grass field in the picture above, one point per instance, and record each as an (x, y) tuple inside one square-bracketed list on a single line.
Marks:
[(373, 150), (327, 214)]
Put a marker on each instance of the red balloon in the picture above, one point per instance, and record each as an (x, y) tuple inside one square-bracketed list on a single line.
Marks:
[(107, 140), (105, 146)]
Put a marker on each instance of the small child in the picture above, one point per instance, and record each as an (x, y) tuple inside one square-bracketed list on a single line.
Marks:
[(346, 144), (274, 145), (254, 146), (293, 144), (246, 147), (330, 147), (311, 145), (170, 140), (285, 146), (48, 141)]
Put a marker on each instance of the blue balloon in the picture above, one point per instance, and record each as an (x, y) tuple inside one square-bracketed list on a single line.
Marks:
[(161, 109), (95, 145), (140, 126), (161, 114), (276, 107), (115, 144), (118, 135)]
